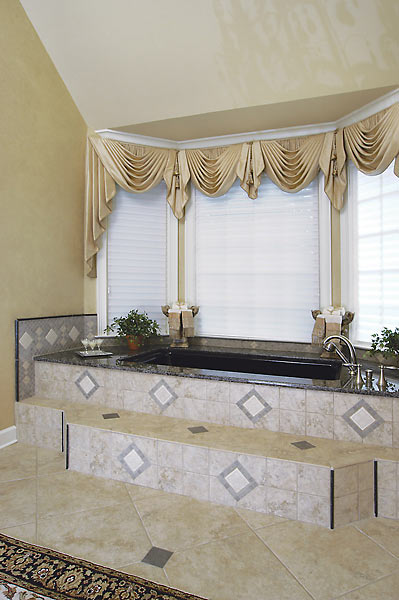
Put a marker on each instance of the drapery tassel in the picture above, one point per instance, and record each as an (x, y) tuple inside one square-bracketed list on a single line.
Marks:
[(176, 174), (334, 157), (250, 180)]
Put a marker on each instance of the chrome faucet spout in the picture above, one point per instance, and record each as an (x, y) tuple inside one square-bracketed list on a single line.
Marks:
[(329, 345)]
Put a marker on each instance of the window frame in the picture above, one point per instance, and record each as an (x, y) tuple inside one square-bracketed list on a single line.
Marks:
[(349, 258), (324, 250), (102, 269)]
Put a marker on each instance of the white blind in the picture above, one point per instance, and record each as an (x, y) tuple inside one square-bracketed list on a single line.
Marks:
[(376, 249), (257, 263), (137, 254)]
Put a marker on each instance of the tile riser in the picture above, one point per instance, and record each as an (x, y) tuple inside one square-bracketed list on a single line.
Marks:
[(182, 469)]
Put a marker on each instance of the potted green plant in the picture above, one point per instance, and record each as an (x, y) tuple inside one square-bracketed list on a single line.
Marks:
[(136, 326), (385, 346)]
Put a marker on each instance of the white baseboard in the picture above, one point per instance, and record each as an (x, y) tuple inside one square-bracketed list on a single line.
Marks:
[(8, 436)]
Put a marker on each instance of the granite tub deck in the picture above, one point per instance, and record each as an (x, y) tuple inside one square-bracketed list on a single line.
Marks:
[(313, 455)]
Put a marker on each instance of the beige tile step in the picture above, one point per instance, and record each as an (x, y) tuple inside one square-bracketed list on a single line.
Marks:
[(328, 482), (329, 453)]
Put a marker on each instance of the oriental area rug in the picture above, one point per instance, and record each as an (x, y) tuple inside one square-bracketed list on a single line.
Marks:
[(28, 572)]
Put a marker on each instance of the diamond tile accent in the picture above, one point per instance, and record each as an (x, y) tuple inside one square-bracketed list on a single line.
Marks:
[(254, 406), (25, 340), (87, 384), (362, 418), (73, 334), (237, 481), (32, 341), (157, 557), (134, 461), (303, 445), (198, 429), (51, 337), (163, 394), (111, 416)]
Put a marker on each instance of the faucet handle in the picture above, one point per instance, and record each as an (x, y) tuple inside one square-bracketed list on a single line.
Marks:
[(359, 378), (353, 367), (382, 382)]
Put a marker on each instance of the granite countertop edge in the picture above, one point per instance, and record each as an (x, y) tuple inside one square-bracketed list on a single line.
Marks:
[(70, 357)]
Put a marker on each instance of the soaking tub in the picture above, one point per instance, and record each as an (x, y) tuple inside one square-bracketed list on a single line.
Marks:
[(251, 366)]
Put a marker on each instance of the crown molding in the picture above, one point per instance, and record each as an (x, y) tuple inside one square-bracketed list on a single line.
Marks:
[(269, 134), (133, 138)]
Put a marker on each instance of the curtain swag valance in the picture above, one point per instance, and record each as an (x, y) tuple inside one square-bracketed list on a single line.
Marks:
[(371, 144)]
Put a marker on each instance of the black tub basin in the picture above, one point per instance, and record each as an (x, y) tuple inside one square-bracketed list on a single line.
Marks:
[(309, 368)]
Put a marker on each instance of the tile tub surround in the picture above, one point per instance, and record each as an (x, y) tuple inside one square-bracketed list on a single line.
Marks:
[(44, 335), (339, 385), (258, 470), (369, 419)]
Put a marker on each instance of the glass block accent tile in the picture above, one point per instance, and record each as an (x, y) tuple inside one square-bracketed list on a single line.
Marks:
[(198, 429), (163, 394), (362, 418), (237, 481), (254, 406), (303, 445), (157, 557), (87, 384), (134, 461)]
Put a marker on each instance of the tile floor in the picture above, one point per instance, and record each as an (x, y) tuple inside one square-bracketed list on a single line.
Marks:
[(214, 551)]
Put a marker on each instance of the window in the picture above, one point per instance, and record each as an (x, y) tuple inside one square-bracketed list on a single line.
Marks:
[(253, 265), (136, 262), (371, 252)]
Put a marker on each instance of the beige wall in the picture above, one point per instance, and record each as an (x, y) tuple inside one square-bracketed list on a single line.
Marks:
[(42, 142)]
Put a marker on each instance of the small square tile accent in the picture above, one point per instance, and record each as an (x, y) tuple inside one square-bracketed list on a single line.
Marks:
[(199, 429), (87, 384), (237, 481), (362, 418), (163, 394), (134, 461), (303, 445), (111, 416), (157, 557), (254, 406)]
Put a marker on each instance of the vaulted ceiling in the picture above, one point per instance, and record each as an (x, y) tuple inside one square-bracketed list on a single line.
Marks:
[(185, 69)]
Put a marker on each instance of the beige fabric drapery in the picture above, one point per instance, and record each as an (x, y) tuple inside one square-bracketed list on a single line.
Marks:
[(213, 170), (135, 168), (372, 144), (294, 162)]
